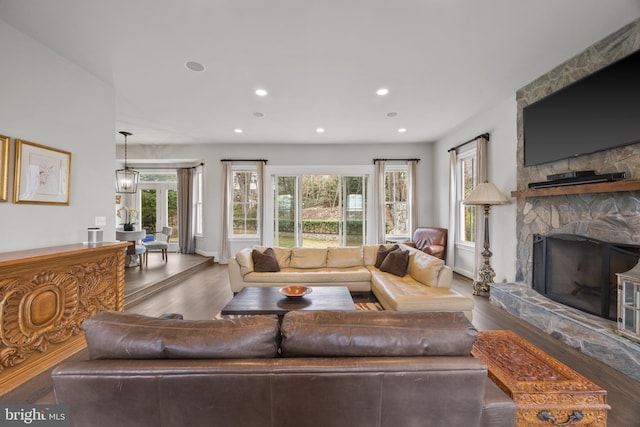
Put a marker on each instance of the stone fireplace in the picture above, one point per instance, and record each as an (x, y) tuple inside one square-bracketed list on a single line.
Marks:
[(607, 214)]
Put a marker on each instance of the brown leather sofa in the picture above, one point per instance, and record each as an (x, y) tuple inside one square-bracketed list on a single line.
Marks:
[(430, 240), (318, 368)]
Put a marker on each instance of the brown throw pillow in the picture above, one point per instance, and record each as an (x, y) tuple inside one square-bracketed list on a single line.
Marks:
[(265, 261), (383, 251), (396, 262)]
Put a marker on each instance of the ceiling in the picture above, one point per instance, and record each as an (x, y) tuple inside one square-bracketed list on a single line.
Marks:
[(321, 61)]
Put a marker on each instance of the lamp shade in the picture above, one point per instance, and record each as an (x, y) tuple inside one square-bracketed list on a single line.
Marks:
[(127, 178), (486, 194)]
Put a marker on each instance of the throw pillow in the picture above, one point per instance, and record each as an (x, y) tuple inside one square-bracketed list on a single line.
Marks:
[(265, 261), (396, 262), (383, 251), (118, 335)]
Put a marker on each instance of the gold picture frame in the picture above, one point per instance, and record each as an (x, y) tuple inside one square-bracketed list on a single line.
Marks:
[(4, 166), (42, 175)]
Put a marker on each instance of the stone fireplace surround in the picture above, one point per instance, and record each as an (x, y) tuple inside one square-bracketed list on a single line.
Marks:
[(612, 216)]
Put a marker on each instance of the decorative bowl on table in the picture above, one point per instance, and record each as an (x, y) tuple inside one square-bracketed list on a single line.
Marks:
[(295, 291)]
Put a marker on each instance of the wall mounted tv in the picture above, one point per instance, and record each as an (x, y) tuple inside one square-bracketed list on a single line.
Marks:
[(596, 113)]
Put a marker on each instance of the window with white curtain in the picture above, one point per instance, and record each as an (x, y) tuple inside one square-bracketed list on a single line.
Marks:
[(244, 205)]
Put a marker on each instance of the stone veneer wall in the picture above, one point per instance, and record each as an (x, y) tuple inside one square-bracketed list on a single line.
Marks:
[(612, 217)]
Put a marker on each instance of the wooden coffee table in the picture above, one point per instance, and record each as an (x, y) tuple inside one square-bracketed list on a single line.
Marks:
[(267, 300)]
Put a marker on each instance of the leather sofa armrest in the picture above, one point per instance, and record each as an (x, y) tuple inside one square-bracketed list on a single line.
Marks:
[(410, 244), (434, 250), (498, 410)]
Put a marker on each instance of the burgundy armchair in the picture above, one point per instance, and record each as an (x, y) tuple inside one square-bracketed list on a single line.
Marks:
[(431, 240)]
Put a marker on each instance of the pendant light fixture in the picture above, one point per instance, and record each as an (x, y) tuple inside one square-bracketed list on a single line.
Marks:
[(126, 179)]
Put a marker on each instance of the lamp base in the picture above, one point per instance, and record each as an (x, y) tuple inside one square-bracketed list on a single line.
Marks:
[(486, 276)]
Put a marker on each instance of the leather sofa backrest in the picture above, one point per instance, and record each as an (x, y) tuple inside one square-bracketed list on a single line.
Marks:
[(118, 335), (376, 333)]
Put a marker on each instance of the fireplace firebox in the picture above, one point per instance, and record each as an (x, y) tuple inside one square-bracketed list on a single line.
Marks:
[(580, 272)]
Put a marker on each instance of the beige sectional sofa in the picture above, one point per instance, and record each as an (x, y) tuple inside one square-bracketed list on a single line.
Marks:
[(424, 287)]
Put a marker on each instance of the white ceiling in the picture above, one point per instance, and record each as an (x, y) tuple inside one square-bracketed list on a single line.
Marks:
[(443, 61)]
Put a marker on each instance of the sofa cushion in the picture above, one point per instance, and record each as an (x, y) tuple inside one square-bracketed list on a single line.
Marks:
[(344, 257), (396, 262), (308, 258), (117, 335), (265, 261), (376, 333), (311, 275), (407, 294), (425, 268), (383, 251)]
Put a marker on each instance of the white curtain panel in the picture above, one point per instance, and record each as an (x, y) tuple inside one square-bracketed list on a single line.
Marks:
[(481, 176), (412, 166), (225, 252), (261, 214), (379, 202), (453, 207)]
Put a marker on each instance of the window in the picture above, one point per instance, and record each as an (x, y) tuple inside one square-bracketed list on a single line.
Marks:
[(245, 201), (198, 200), (466, 170), (396, 201), (320, 210)]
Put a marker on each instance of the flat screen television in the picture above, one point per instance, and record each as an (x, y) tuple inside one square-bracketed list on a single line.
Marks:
[(596, 113)]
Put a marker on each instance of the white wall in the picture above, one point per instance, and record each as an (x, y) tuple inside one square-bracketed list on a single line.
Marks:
[(279, 155), (47, 100), (500, 123)]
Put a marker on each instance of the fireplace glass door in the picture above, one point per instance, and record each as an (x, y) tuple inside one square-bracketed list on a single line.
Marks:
[(629, 306)]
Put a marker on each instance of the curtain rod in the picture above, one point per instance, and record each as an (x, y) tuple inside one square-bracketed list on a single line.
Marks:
[(244, 160), (485, 135), (391, 160), (164, 167)]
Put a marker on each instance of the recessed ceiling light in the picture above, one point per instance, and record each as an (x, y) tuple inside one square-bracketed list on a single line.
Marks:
[(402, 130), (261, 92), (194, 66), (382, 91), (320, 130), (392, 114), (258, 114), (238, 130)]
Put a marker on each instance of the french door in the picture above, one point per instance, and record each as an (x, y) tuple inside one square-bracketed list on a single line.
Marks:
[(319, 210), (159, 208)]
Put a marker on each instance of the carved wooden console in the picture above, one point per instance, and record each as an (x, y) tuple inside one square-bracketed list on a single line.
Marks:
[(546, 391), (45, 294)]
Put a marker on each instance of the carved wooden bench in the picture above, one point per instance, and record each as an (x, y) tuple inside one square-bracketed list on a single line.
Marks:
[(546, 391)]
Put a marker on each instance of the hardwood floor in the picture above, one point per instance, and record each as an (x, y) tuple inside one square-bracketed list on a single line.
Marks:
[(201, 295)]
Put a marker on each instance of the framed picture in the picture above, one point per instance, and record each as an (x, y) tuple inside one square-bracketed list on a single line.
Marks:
[(42, 174), (4, 166)]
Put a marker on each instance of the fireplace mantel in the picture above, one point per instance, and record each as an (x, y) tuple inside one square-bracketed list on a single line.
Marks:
[(601, 187)]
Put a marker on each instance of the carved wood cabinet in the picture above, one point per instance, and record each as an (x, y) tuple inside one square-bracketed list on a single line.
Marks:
[(45, 294), (546, 391)]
